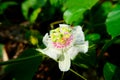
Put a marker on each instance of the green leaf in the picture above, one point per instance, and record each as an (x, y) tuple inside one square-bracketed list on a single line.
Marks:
[(93, 37), (73, 16), (34, 4), (25, 70), (39, 3), (57, 3), (25, 9), (34, 15), (75, 11), (86, 60), (107, 7), (109, 71), (54, 2), (87, 4), (90, 3), (116, 74), (113, 22)]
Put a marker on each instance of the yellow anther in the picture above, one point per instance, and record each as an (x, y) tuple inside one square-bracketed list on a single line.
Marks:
[(60, 35)]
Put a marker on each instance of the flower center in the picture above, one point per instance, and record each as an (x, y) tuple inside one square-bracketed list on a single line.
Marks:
[(61, 37)]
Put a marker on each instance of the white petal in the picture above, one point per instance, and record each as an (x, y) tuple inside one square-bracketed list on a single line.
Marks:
[(40, 50), (83, 47), (64, 65), (78, 35), (73, 51), (45, 39), (63, 25), (51, 52)]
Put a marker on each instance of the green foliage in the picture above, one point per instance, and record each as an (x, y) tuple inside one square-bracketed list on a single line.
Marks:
[(34, 37), (109, 71), (75, 11), (112, 22), (34, 15), (100, 21), (5, 5), (56, 3), (74, 16), (25, 70), (93, 37), (86, 60), (87, 4), (107, 6), (1, 51), (32, 4)]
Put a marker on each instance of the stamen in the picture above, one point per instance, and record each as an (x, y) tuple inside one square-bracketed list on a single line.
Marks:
[(61, 37), (66, 43)]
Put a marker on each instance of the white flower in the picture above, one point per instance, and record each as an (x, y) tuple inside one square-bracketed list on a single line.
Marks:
[(63, 44)]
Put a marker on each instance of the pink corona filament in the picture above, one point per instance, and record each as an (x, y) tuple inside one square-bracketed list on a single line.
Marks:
[(61, 45), (61, 37)]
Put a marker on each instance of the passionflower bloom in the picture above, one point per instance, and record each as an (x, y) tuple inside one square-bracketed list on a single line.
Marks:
[(63, 44)]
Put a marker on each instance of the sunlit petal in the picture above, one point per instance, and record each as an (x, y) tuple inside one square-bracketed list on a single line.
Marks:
[(63, 25), (83, 47), (45, 39), (64, 65), (78, 35), (73, 51), (51, 52)]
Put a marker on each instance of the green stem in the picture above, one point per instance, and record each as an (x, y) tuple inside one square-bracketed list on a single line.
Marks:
[(78, 74), (104, 48), (13, 61), (99, 24), (62, 76), (56, 22)]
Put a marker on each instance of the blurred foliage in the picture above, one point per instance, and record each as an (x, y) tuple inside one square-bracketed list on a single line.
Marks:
[(75, 11), (32, 4), (109, 70), (113, 20), (98, 18), (1, 50), (26, 69), (34, 37), (5, 5)]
